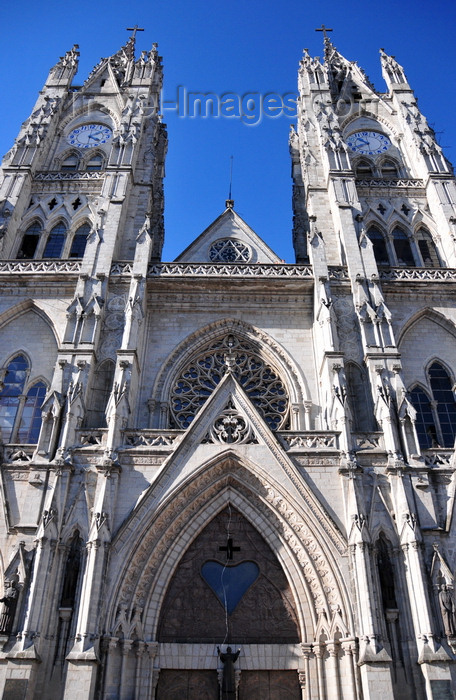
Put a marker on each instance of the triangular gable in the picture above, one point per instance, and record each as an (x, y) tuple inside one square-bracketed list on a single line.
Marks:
[(229, 225), (257, 445)]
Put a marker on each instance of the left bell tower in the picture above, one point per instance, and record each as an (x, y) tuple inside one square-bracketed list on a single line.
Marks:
[(89, 158)]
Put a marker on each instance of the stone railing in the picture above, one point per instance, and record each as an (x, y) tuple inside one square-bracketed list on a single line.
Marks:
[(217, 270), (18, 453), (152, 438), (309, 440), (418, 274), (438, 457), (396, 182), (34, 266), (91, 437), (338, 273), (59, 175), (369, 441)]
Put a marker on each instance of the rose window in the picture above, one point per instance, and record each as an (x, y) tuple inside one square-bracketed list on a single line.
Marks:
[(200, 377), (229, 250)]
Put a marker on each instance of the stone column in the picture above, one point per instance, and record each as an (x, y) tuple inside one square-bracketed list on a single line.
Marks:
[(302, 683), (125, 690), (319, 652), (349, 648), (151, 684), (333, 648), (306, 651)]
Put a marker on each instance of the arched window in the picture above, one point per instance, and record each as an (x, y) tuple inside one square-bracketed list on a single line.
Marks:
[(198, 379), (101, 391), (425, 422), (389, 170), (436, 419), (20, 414), (79, 242), (95, 162), (70, 163), (363, 169), (379, 245), (427, 248), (446, 407), (30, 425), (30, 241), (402, 248), (55, 242)]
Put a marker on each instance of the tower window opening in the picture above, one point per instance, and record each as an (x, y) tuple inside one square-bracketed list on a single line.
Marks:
[(70, 163), (427, 248), (55, 242), (30, 241), (379, 245), (79, 242), (403, 249), (364, 169), (389, 170), (95, 163)]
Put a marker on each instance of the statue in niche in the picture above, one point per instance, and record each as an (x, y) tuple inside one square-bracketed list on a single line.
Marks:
[(228, 660), (9, 601), (448, 611)]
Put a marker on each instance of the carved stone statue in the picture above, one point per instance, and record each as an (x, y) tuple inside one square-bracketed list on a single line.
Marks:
[(448, 610), (228, 660), (9, 601)]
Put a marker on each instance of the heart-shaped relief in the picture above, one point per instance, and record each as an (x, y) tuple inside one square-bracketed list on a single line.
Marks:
[(229, 583)]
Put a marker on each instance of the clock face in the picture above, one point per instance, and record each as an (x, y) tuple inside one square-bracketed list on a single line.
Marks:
[(369, 143), (89, 135)]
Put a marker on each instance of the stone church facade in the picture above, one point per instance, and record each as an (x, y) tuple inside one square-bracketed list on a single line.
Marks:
[(227, 450)]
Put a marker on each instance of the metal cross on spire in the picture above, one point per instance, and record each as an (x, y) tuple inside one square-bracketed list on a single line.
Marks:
[(324, 30), (134, 30)]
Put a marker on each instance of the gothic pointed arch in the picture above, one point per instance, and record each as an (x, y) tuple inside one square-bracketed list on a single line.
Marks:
[(148, 548), (429, 314), (16, 311), (195, 367)]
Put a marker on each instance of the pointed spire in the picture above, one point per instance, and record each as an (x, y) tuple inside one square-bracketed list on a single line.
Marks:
[(393, 72), (65, 69)]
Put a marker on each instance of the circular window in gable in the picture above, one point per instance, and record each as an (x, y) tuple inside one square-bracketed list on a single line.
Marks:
[(229, 250)]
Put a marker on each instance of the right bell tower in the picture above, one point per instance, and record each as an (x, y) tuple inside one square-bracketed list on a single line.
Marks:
[(374, 214)]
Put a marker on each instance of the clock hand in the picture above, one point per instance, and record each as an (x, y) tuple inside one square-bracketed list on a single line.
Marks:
[(91, 136)]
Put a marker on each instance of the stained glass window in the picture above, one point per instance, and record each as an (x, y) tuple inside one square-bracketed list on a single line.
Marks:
[(199, 378)]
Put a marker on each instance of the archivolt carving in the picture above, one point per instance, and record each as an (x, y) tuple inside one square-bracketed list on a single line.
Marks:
[(179, 522), (267, 348)]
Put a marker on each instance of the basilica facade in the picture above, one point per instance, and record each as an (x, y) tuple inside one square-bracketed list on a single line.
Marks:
[(226, 450)]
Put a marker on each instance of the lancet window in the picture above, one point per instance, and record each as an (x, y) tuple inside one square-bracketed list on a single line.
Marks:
[(55, 241), (379, 244), (79, 241), (30, 241), (20, 411), (400, 248), (259, 379), (436, 409)]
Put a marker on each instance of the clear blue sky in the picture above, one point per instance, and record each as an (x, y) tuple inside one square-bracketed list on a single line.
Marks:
[(235, 47)]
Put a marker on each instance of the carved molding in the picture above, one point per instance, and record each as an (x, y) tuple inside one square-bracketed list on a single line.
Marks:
[(180, 521), (195, 342)]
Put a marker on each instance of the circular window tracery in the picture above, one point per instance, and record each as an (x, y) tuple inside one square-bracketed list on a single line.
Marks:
[(229, 250), (199, 378)]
